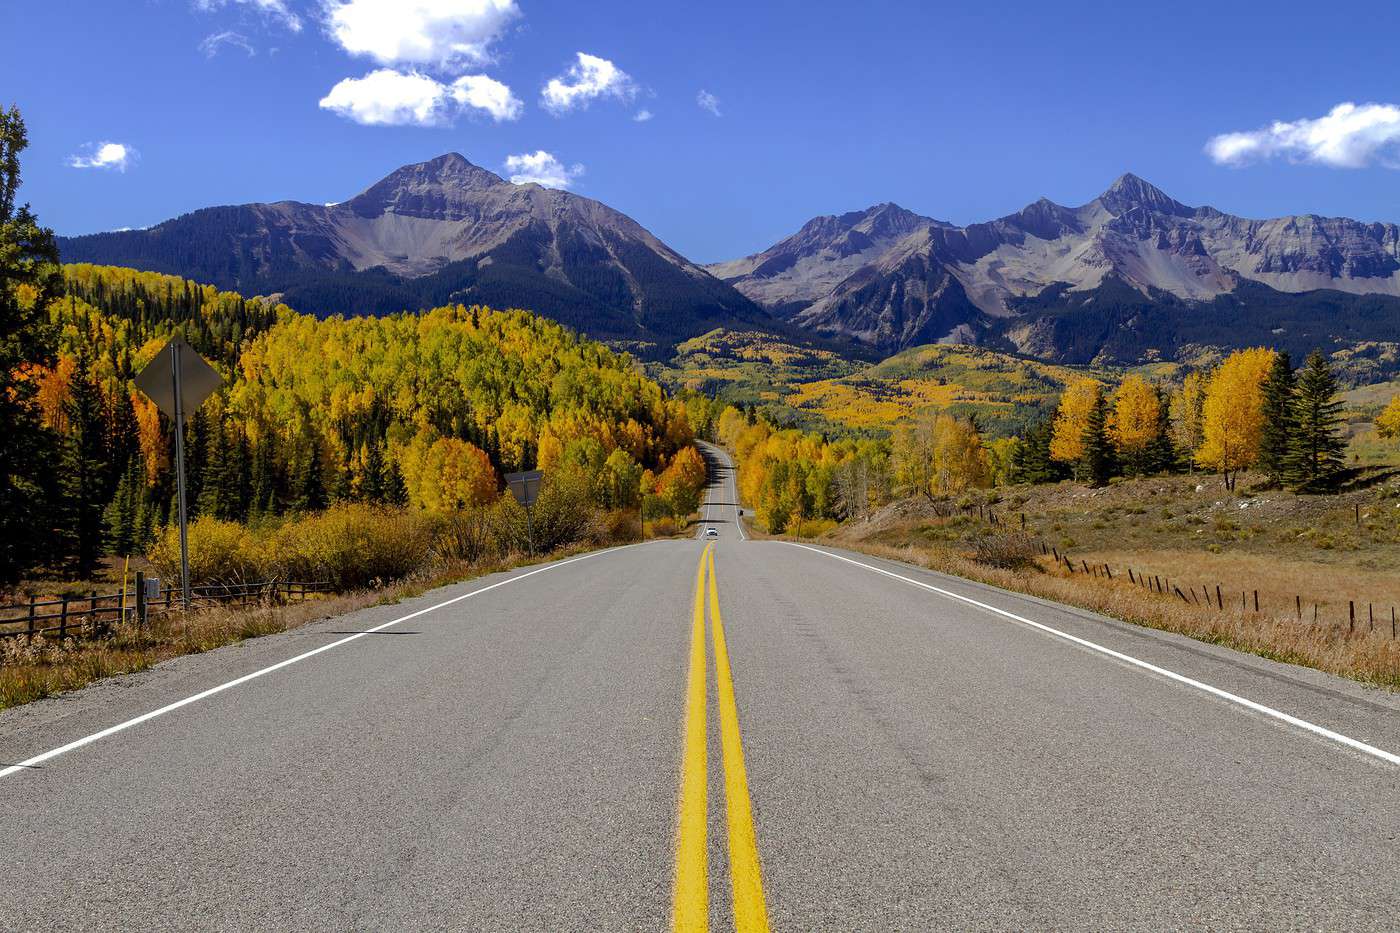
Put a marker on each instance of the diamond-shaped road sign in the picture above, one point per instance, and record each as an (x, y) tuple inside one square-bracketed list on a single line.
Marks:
[(198, 380), (525, 486)]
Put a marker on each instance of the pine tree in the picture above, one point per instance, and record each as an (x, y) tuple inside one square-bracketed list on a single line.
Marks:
[(214, 465), (266, 482), (309, 487), (85, 470), (1031, 461), (1316, 452), (30, 279), (1162, 454), (1097, 460), (1277, 432), (373, 485), (122, 518)]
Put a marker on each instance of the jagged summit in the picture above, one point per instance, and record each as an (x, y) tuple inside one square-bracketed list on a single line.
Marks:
[(1130, 191), (438, 231), (927, 281)]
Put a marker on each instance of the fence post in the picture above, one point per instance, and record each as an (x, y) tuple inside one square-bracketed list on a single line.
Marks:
[(92, 613), (63, 620), (1371, 616), (1351, 615), (1219, 603), (30, 633), (1256, 600), (141, 598), (1299, 600)]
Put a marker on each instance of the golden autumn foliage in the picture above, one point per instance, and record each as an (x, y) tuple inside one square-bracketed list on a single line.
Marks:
[(1388, 422), (790, 478), (1136, 416), (1072, 417), (1232, 412), (940, 455), (445, 474), (1187, 405)]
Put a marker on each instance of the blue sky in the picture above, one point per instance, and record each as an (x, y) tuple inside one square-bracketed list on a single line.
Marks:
[(956, 110)]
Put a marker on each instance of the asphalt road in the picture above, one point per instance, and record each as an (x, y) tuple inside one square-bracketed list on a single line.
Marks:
[(541, 756)]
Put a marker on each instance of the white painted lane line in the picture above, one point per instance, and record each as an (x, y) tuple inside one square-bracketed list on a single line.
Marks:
[(1348, 741), (205, 694)]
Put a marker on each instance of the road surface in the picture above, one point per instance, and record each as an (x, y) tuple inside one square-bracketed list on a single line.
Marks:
[(848, 744)]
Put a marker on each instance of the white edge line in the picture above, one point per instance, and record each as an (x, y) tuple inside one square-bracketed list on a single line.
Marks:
[(1355, 744), (205, 694)]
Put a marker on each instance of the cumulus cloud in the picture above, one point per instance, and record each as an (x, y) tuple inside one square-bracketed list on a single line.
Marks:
[(1349, 136), (106, 155), (273, 9), (541, 168), (213, 43), (708, 102), (643, 116), (419, 32), (588, 78), (394, 98)]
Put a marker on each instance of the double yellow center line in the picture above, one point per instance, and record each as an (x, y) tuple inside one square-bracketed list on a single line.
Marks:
[(691, 907)]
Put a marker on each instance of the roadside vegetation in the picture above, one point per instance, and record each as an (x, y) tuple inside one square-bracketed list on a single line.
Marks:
[(1249, 475)]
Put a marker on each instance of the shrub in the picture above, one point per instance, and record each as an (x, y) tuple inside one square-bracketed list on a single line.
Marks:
[(353, 545), (1012, 550), (220, 552)]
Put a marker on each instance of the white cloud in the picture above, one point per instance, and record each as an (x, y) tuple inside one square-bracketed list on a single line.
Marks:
[(541, 168), (488, 95), (107, 155), (1349, 136), (213, 43), (394, 98), (708, 101), (586, 79), (419, 32), (273, 9), (643, 115)]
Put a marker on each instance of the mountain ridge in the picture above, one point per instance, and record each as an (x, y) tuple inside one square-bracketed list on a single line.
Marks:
[(942, 282), (437, 231)]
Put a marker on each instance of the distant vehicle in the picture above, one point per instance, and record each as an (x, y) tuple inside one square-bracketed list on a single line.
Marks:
[(712, 532)]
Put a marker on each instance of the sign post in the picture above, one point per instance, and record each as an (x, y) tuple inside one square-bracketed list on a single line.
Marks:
[(179, 380), (526, 489)]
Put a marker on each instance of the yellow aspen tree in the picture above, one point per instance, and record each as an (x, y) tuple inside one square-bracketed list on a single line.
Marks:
[(1388, 423), (1135, 419), (960, 460), (1233, 413), (1071, 418), (1187, 404)]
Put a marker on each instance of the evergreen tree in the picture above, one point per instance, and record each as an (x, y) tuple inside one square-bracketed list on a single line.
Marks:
[(84, 470), (1097, 462), (30, 278), (266, 492), (197, 441), (395, 490), (1316, 453), (309, 488), (1031, 461), (374, 486), (213, 473), (123, 517), (1277, 433), (1162, 455)]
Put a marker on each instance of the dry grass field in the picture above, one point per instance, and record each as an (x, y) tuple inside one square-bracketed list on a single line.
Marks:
[(1323, 552)]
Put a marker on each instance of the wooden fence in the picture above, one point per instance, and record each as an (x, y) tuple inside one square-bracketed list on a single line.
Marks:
[(1366, 617), (87, 616)]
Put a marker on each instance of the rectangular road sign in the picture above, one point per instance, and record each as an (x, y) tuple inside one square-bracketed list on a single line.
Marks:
[(198, 380), (525, 486)]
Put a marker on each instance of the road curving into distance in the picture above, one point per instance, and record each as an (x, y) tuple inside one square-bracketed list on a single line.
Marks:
[(726, 733)]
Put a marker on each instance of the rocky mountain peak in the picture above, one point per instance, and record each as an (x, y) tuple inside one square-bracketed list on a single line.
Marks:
[(1130, 192), (436, 189)]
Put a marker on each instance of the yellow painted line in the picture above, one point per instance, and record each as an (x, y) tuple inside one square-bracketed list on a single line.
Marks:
[(690, 908), (745, 875)]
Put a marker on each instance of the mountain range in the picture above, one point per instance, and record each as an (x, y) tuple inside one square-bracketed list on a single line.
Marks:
[(893, 279), (437, 232), (1131, 275)]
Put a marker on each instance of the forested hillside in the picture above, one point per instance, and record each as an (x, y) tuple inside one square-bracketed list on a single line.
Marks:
[(426, 410)]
